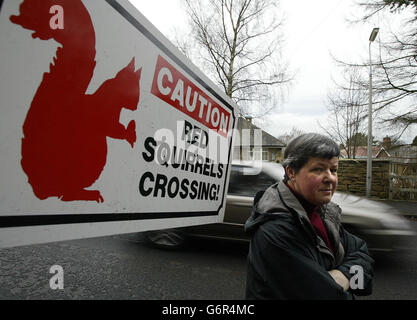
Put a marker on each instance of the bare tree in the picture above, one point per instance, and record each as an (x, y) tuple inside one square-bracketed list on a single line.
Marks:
[(238, 42), (373, 7), (347, 112), (395, 69), (288, 136)]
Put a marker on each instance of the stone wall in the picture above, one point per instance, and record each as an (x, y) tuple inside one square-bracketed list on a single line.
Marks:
[(352, 177)]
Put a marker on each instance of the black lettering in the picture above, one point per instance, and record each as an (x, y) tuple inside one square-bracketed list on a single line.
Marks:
[(176, 160), (163, 154), (199, 191), (199, 164), (193, 193), (213, 192), (173, 194), (189, 161), (195, 136), (204, 191), (204, 139), (186, 136), (145, 192), (160, 184), (184, 160), (206, 171), (184, 188), (219, 170), (150, 145), (212, 174)]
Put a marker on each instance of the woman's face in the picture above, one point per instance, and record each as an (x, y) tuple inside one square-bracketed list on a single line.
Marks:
[(316, 181)]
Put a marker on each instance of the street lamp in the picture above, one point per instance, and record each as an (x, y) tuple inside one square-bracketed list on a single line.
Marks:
[(372, 37)]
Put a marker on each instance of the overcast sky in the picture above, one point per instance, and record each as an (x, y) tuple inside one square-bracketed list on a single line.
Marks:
[(313, 31)]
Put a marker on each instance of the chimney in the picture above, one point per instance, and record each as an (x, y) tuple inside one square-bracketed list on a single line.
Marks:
[(386, 143)]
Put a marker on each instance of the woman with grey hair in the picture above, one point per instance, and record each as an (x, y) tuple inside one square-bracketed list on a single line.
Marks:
[(299, 249)]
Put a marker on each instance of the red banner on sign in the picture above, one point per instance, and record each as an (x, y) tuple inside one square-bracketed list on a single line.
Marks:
[(177, 90)]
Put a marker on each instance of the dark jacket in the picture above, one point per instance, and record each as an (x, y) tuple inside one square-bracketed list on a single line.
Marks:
[(288, 260)]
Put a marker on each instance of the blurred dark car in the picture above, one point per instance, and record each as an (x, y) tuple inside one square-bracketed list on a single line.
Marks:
[(380, 225)]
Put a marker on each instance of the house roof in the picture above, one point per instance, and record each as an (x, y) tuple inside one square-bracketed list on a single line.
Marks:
[(362, 152), (404, 153), (405, 150), (268, 140)]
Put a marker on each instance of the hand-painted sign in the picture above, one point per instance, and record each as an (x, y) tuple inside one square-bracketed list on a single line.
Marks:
[(106, 128)]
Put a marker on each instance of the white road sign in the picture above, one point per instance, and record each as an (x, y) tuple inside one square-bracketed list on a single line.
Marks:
[(105, 127)]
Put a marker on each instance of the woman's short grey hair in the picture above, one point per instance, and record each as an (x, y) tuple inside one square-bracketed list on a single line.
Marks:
[(306, 146)]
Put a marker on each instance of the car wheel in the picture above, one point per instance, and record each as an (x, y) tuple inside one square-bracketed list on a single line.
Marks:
[(170, 239)]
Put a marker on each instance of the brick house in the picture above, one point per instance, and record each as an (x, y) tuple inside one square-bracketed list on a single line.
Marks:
[(253, 143)]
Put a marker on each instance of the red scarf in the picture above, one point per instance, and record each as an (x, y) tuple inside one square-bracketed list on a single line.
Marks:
[(313, 215)]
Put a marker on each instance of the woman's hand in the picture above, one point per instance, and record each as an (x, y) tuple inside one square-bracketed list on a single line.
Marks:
[(340, 279)]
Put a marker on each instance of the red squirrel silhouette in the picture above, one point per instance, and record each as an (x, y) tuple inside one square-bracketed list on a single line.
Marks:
[(64, 144)]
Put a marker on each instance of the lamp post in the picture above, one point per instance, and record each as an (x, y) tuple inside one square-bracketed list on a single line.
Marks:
[(372, 37)]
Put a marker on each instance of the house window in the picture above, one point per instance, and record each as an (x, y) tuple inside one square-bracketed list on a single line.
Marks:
[(256, 154)]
